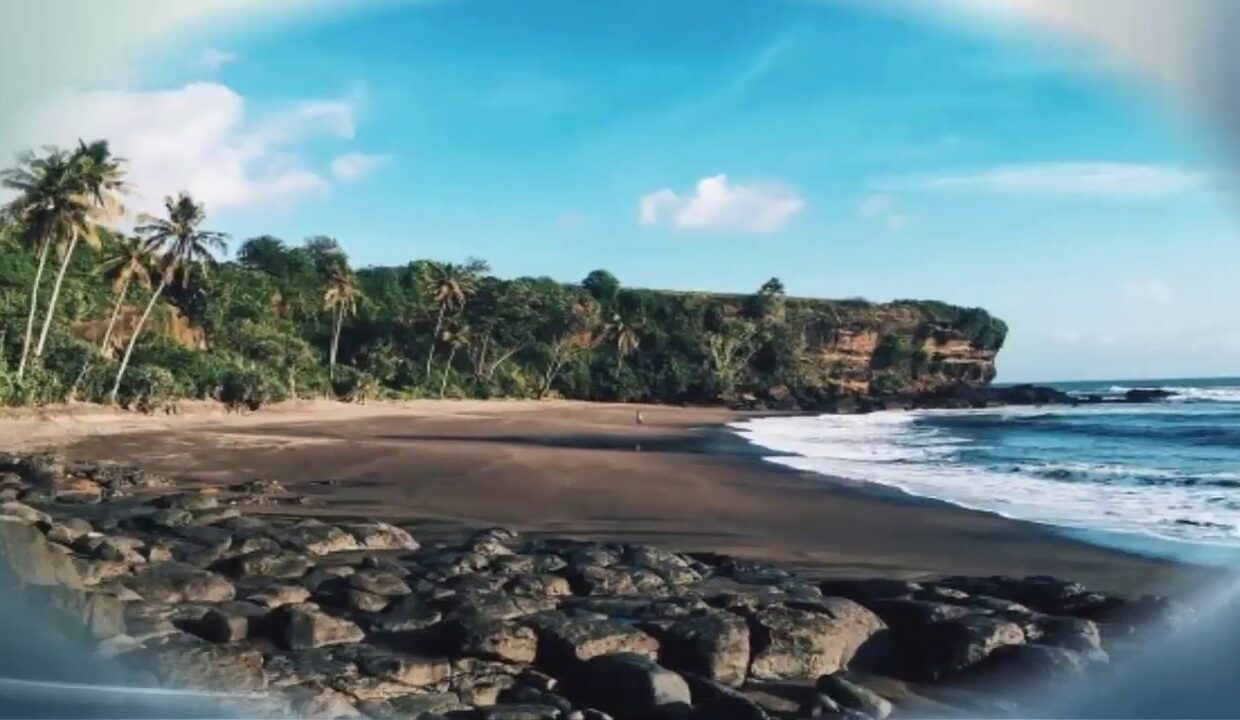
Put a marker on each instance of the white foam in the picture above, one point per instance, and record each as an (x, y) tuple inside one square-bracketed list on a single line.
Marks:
[(1217, 394), (891, 449)]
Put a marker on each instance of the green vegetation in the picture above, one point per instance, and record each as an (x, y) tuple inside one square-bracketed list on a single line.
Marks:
[(144, 319)]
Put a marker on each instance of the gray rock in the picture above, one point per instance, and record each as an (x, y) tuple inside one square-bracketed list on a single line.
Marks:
[(496, 640), (412, 670), (100, 615), (301, 626), (281, 564), (715, 701), (941, 649), (540, 585), (564, 642), (188, 501), (184, 662), (406, 614), (285, 669), (522, 712), (713, 644), (27, 557), (24, 512), (1028, 666), (794, 644), (428, 705), (315, 538), (854, 696), (77, 491), (273, 596), (614, 580), (172, 582), (380, 536), (630, 686), (317, 700), (386, 584), (228, 622)]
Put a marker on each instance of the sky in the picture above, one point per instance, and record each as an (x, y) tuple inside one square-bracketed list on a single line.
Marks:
[(850, 149)]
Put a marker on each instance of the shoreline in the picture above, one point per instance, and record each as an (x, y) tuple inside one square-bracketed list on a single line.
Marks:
[(684, 480)]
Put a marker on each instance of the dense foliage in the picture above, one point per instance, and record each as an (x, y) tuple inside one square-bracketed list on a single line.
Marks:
[(284, 320)]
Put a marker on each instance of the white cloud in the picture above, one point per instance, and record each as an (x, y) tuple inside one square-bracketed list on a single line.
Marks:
[(352, 166), (215, 58), (1150, 292), (1107, 180), (199, 138), (718, 205), (881, 208)]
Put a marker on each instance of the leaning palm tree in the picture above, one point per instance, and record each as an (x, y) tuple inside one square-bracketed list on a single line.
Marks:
[(339, 299), (130, 263), (182, 247), (456, 339), (49, 206), (451, 286), (96, 177)]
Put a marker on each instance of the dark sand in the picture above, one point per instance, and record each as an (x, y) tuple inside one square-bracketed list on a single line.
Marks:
[(589, 470)]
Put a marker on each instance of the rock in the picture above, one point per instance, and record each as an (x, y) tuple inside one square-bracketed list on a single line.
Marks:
[(904, 613), (188, 501), (229, 622), (1146, 395), (23, 512), (415, 671), (419, 707), (496, 640), (27, 557), (564, 642), (540, 585), (188, 663), (44, 469), (627, 685), (68, 530), (856, 697), (715, 701), (94, 572), (273, 596), (116, 548), (942, 649), (1067, 632), (377, 582), (522, 712), (380, 536), (502, 606), (614, 580), (281, 564), (303, 625), (1028, 666), (259, 486), (315, 538), (286, 669), (316, 700), (78, 490), (173, 582), (713, 644), (798, 644), (869, 589), (100, 615), (406, 614)]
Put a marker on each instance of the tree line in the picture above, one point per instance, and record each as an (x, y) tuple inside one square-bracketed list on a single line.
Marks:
[(139, 318)]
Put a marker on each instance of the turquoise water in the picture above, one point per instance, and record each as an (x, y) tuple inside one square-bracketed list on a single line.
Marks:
[(1160, 478)]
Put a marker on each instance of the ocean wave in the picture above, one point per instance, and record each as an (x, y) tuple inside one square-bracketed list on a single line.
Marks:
[(933, 455), (1222, 394)]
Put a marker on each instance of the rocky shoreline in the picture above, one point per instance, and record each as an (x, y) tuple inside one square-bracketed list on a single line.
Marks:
[(959, 396), (232, 589)]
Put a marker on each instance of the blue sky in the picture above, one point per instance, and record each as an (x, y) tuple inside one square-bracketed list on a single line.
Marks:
[(847, 151)]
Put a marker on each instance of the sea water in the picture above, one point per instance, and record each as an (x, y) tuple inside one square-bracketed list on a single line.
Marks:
[(1161, 478)]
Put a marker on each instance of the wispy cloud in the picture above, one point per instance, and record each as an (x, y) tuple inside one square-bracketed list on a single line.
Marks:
[(353, 166), (881, 208), (716, 204), (1108, 180), (1150, 291), (215, 58)]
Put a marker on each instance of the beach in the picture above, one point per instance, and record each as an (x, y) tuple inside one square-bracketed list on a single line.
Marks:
[(679, 479)]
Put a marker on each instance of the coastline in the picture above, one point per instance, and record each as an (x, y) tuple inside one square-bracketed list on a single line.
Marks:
[(683, 480)]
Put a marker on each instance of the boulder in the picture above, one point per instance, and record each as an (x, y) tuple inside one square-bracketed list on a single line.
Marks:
[(99, 615), (791, 644), (273, 596), (412, 670), (715, 701), (381, 583), (851, 695), (21, 511), (227, 622), (188, 501), (424, 706), (174, 582), (315, 538), (942, 649), (632, 687), (281, 564), (78, 490), (713, 644), (564, 642), (496, 640), (316, 700), (523, 712), (380, 536), (1028, 666), (27, 557), (186, 663), (540, 585), (302, 625)]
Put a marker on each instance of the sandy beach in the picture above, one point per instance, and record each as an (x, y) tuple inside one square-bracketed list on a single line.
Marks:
[(588, 470)]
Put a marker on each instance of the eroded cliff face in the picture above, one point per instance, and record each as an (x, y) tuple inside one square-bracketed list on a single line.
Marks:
[(906, 348)]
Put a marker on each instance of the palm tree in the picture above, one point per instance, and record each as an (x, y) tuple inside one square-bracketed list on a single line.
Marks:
[(451, 286), (48, 206), (625, 334), (340, 298), (130, 263), (182, 246), (96, 177), (456, 339)]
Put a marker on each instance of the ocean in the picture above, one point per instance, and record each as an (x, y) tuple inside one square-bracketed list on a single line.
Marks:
[(1161, 478)]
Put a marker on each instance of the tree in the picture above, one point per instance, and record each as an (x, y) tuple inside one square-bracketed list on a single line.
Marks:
[(96, 181), (730, 350), (182, 246), (456, 338), (48, 205), (339, 299), (450, 287), (602, 285), (130, 263), (571, 330), (625, 334)]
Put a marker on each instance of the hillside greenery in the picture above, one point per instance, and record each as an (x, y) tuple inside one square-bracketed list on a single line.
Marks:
[(140, 318)]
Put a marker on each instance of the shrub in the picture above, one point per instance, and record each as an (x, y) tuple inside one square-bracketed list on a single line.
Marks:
[(250, 388), (147, 388), (353, 385)]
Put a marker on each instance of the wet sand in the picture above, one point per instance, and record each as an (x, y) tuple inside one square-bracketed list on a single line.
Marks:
[(589, 470)]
